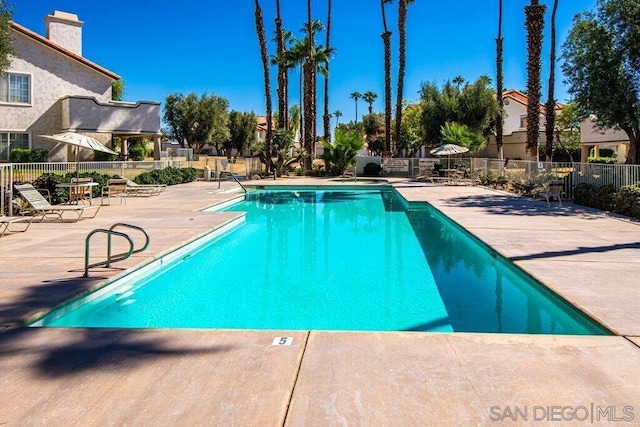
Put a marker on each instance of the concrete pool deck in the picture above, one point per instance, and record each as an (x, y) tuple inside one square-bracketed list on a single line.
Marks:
[(222, 377)]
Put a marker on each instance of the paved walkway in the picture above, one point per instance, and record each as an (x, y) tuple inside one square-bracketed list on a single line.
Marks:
[(217, 377)]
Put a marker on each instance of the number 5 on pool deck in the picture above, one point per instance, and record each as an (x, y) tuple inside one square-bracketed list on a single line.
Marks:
[(282, 341)]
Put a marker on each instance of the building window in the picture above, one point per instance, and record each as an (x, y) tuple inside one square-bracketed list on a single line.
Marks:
[(523, 122), (10, 140), (15, 88)]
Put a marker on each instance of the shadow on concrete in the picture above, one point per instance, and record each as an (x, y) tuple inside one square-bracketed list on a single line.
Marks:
[(504, 204), (66, 352), (42, 296), (577, 251)]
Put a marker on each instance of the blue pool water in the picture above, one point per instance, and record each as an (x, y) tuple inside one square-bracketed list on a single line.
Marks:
[(334, 260)]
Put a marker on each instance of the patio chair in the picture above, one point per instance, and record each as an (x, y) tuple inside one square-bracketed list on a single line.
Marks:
[(550, 190), (80, 193), (6, 221), (134, 189), (40, 206), (114, 187)]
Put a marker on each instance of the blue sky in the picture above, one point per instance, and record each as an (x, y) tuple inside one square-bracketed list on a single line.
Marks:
[(161, 47)]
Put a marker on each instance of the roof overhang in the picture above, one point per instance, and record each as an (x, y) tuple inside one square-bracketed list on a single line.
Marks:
[(65, 52)]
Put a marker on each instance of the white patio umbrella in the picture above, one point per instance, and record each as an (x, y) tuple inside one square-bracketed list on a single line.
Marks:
[(79, 141), (448, 150)]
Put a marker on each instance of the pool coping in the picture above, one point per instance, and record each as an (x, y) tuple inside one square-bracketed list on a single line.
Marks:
[(170, 376)]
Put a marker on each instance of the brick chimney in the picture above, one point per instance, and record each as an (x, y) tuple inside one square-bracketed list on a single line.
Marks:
[(64, 29)]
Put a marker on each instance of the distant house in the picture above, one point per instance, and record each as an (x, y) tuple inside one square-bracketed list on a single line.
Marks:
[(592, 138), (514, 142), (515, 132), (51, 88)]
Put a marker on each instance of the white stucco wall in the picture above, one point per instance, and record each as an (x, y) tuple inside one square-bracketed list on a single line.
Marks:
[(53, 75)]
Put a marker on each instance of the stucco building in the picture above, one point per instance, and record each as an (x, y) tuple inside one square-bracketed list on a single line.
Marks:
[(51, 88)]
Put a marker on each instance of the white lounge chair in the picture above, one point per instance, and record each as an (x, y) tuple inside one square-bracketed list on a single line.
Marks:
[(40, 206), (6, 221), (134, 189)]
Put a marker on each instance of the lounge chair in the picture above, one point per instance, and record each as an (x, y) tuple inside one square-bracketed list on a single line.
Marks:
[(134, 189), (40, 206), (115, 187), (6, 221), (550, 190)]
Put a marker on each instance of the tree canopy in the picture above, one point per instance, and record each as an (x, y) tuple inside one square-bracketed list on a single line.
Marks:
[(473, 105), (242, 132), (6, 41), (602, 67), (196, 121)]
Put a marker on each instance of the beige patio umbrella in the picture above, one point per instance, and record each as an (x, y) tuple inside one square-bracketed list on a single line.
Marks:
[(448, 150), (79, 141)]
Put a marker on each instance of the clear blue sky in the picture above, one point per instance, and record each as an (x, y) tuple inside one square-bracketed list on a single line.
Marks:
[(161, 47)]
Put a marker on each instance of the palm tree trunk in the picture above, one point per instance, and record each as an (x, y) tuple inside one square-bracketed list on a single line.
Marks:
[(534, 24), (326, 117), (499, 85), (282, 72), (386, 39), (551, 102), (309, 69), (267, 81), (402, 59)]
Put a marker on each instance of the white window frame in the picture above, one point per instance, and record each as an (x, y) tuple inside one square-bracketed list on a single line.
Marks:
[(8, 135), (6, 78)]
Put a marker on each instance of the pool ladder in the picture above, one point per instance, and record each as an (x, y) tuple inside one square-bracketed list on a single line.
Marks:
[(111, 258), (234, 178)]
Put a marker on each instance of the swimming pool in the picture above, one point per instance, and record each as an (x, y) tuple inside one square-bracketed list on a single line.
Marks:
[(332, 259)]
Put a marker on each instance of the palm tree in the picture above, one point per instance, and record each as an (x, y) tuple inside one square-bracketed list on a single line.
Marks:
[(386, 38), (326, 118), (262, 39), (356, 95), (551, 102), (337, 114), (534, 24), (370, 97), (282, 71), (402, 62), (499, 84)]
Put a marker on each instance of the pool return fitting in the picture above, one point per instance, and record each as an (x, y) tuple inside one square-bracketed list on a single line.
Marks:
[(117, 257)]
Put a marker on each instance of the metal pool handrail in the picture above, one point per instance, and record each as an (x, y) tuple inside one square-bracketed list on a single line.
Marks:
[(113, 258), (234, 178)]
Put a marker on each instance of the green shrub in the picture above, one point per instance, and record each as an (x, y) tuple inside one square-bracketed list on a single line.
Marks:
[(48, 181), (167, 176), (137, 153), (626, 201), (603, 197), (101, 156), (603, 160), (607, 152), (583, 194), (372, 169), (28, 155)]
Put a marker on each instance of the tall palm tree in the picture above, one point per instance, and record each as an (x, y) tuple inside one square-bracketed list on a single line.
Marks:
[(326, 117), (402, 62), (282, 71), (499, 84), (386, 39), (356, 95), (551, 102), (534, 24), (262, 39), (370, 97), (337, 114)]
